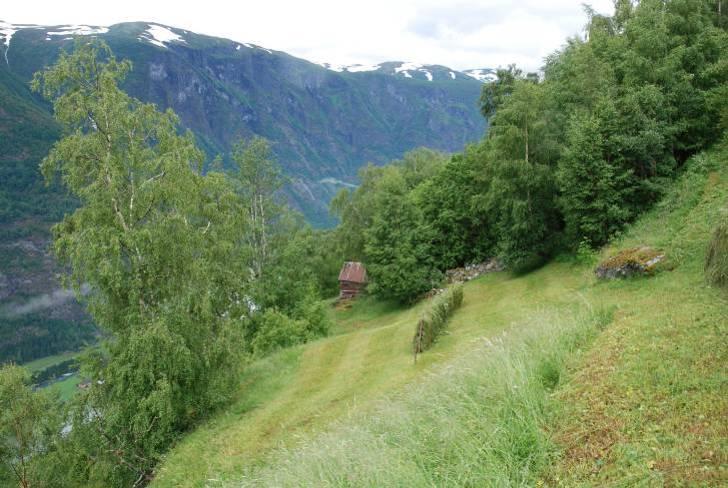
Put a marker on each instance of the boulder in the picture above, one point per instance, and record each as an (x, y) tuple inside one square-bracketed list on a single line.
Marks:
[(629, 262)]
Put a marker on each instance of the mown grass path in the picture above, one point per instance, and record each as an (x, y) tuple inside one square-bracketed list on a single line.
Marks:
[(291, 395)]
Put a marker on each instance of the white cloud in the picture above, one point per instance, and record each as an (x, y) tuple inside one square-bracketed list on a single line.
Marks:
[(460, 34)]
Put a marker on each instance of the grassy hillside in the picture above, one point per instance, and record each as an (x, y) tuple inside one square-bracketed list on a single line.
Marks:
[(548, 378)]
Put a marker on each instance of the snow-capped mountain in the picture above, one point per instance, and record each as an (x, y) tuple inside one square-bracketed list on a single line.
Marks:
[(325, 120), (428, 72), (162, 36)]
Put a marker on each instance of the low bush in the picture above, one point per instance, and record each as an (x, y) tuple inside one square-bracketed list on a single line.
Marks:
[(716, 257), (435, 318), (276, 330)]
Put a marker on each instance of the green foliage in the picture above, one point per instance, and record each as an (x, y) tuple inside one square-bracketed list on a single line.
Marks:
[(569, 158), (397, 260), (595, 188), (357, 209), (258, 180), (278, 331), (380, 225), (29, 425), (495, 94), (716, 257), (521, 203), (456, 227), (435, 318), (159, 246)]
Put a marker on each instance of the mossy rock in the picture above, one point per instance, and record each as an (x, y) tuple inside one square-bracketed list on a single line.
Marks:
[(635, 261)]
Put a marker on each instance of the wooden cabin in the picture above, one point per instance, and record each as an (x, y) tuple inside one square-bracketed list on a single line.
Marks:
[(352, 280)]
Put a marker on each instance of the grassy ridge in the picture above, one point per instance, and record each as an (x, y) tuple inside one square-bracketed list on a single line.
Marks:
[(556, 401)]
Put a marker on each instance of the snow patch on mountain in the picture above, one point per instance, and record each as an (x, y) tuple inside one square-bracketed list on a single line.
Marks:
[(333, 67), (253, 46), (350, 68), (160, 36), (484, 75), (407, 68), (78, 30), (8, 30), (358, 68)]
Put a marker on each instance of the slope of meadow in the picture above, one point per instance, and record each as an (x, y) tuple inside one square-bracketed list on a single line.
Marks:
[(547, 378)]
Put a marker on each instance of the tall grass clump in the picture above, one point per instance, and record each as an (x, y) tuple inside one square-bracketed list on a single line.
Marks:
[(435, 318), (716, 257), (479, 421)]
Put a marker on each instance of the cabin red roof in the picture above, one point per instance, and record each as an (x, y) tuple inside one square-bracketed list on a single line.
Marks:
[(353, 272)]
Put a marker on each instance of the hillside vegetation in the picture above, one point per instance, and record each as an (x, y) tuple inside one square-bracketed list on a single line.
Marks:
[(207, 287), (553, 377), (323, 126)]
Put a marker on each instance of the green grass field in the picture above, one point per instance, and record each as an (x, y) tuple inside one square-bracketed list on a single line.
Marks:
[(67, 387), (43, 363), (550, 378)]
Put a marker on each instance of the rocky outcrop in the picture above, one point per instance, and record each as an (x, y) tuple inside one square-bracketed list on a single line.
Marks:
[(641, 260), (472, 271)]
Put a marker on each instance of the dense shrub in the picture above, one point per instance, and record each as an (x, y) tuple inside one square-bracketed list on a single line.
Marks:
[(275, 330), (435, 319), (716, 258)]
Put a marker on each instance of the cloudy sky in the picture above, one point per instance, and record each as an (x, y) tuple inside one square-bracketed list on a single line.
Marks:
[(460, 33)]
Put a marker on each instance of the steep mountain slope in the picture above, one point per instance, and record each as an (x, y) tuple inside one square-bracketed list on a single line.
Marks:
[(324, 122), (36, 317)]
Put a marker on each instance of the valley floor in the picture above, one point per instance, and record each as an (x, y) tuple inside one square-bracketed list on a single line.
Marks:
[(636, 396)]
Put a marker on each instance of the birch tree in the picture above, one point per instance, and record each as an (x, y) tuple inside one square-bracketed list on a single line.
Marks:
[(259, 179), (154, 241)]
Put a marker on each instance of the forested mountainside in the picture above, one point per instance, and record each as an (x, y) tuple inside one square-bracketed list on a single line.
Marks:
[(324, 123)]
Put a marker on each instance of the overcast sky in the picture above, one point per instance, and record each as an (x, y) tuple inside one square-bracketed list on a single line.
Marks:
[(460, 34)]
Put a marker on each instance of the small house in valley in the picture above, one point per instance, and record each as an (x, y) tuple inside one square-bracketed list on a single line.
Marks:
[(352, 280)]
